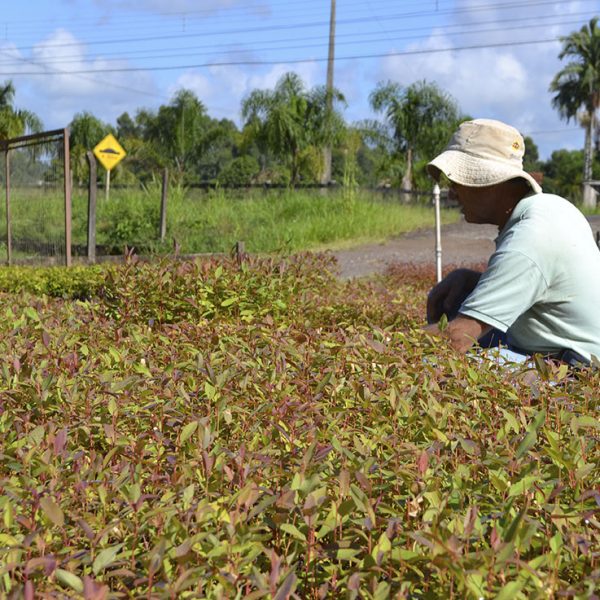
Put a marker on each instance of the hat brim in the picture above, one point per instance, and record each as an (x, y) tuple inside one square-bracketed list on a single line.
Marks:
[(472, 171)]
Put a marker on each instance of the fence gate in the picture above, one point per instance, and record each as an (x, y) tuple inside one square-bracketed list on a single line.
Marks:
[(36, 215)]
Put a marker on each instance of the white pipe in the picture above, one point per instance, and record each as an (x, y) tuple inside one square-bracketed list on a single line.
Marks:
[(438, 233)]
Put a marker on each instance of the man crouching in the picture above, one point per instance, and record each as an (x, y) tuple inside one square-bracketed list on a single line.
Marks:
[(540, 292)]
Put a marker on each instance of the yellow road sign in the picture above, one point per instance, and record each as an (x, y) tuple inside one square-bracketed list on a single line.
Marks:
[(109, 152)]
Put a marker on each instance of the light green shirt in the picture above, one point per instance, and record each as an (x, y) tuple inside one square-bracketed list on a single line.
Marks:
[(542, 284)]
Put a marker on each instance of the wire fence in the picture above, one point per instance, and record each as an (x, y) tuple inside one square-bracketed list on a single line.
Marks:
[(35, 216)]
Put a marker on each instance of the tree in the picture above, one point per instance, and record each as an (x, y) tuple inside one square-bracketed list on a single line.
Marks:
[(181, 134), (126, 127), (418, 119), (577, 90), (15, 122), (240, 172), (289, 122), (176, 128), (327, 125), (85, 131), (563, 174), (531, 160)]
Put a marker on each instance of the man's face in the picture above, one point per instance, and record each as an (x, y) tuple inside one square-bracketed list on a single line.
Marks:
[(477, 203)]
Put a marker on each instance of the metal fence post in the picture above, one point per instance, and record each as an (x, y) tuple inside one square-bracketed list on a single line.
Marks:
[(68, 205), (163, 205), (8, 218), (438, 233), (92, 190)]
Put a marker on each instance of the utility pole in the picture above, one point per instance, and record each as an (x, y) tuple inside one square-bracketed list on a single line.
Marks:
[(326, 178)]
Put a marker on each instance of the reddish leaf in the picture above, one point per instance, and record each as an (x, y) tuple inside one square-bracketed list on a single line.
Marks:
[(423, 462)]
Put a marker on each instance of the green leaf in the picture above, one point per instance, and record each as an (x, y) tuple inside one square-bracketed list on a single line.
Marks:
[(105, 558), (382, 548), (584, 421), (510, 590), (188, 431), (443, 322), (382, 592), (346, 507), (36, 435), (112, 406), (229, 301), (31, 313), (511, 532), (531, 435), (347, 553), (523, 485), (69, 579), (52, 511), (209, 390), (293, 531), (556, 543), (511, 421)]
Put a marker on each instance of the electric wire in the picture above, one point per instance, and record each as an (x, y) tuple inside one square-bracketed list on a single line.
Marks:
[(296, 61), (364, 38), (265, 28)]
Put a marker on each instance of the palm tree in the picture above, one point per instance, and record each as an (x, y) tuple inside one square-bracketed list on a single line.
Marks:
[(417, 118), (577, 88), (15, 122), (278, 120), (85, 131), (180, 133), (291, 121)]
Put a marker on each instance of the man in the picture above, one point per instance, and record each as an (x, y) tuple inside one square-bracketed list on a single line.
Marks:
[(540, 292)]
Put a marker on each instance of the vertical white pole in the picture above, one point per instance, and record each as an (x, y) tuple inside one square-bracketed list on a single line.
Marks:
[(438, 233)]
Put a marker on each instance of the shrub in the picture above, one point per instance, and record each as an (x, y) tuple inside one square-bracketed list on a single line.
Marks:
[(257, 430), (60, 282), (239, 172)]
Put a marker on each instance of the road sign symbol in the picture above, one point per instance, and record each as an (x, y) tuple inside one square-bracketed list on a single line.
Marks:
[(109, 152)]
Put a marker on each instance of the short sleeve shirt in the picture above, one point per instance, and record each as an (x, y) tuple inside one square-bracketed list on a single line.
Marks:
[(542, 284)]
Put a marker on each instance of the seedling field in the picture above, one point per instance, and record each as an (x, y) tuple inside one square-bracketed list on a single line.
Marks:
[(263, 430)]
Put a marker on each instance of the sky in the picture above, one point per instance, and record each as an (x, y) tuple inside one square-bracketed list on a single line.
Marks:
[(496, 58)]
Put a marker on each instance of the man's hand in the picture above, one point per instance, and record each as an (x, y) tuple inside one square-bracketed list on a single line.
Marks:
[(462, 332), (447, 296)]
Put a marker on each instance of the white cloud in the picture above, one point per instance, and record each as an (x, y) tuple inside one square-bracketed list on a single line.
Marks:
[(58, 95), (506, 82), (176, 6), (222, 89)]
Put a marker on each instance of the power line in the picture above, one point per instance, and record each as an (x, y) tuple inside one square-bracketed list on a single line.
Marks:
[(226, 15), (53, 71), (357, 40), (292, 61), (285, 27)]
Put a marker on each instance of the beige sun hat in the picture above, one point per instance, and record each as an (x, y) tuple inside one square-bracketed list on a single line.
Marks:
[(483, 152)]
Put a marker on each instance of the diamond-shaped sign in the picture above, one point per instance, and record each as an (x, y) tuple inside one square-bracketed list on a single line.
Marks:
[(109, 152)]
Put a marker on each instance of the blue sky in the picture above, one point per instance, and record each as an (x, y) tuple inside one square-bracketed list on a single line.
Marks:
[(495, 57)]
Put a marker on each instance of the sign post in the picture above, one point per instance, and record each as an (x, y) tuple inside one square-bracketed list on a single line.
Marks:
[(110, 153)]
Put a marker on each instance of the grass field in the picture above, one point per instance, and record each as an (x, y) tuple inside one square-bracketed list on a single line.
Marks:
[(215, 430), (277, 221)]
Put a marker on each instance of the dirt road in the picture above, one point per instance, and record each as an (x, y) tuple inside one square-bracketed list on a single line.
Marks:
[(462, 243)]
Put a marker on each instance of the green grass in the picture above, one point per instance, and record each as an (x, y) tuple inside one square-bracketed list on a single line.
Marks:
[(589, 211), (272, 221), (288, 221)]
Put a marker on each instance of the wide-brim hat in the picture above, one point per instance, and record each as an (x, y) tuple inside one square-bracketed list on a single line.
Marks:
[(483, 152)]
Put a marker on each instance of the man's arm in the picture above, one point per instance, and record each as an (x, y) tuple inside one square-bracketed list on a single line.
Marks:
[(462, 332)]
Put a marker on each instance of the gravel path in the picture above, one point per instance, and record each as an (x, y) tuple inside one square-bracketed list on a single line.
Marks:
[(462, 243)]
